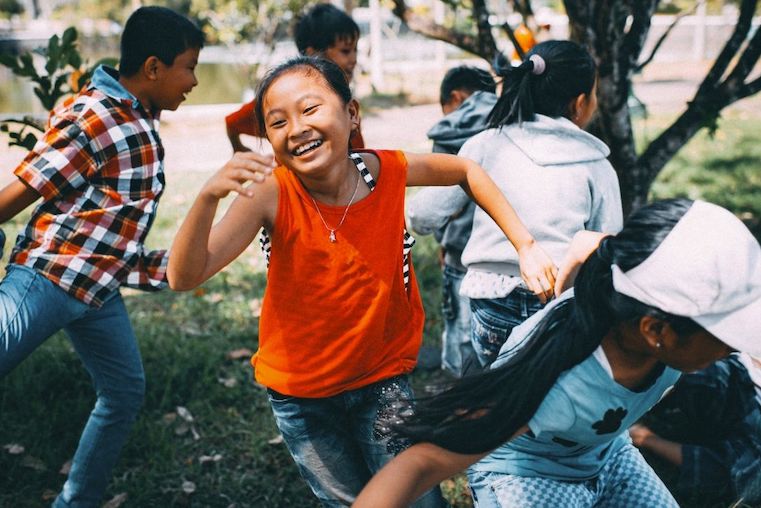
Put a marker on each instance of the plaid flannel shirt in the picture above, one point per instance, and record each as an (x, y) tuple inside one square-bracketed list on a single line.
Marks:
[(99, 169)]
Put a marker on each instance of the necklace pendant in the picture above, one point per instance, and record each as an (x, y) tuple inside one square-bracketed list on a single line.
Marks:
[(332, 236)]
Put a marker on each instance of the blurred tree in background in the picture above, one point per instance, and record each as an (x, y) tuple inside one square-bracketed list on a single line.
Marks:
[(615, 32)]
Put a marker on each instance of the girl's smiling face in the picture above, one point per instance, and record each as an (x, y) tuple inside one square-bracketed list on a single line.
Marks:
[(307, 122)]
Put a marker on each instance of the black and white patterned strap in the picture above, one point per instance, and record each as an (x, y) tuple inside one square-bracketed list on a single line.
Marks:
[(407, 243)]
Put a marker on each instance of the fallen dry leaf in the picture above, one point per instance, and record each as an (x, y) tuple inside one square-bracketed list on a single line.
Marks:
[(14, 449), (188, 487), (49, 495), (116, 501), (276, 440), (203, 459), (237, 354), (183, 413), (65, 468), (33, 463)]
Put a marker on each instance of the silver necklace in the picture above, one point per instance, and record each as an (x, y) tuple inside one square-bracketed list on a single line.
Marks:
[(332, 231)]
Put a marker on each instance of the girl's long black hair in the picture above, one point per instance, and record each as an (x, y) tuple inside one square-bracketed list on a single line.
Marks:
[(479, 413), (569, 71)]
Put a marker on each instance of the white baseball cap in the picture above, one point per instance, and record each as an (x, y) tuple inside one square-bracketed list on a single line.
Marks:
[(708, 268)]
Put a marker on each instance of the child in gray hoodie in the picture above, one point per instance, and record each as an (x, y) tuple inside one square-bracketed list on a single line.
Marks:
[(466, 97), (555, 174)]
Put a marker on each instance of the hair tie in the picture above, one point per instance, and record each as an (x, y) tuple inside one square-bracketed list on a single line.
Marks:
[(539, 64)]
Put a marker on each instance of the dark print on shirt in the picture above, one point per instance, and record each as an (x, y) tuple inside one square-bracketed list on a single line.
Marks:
[(564, 442), (611, 422)]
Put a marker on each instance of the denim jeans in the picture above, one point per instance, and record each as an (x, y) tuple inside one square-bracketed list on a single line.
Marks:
[(339, 442), (457, 355), (31, 309), (493, 319), (625, 481)]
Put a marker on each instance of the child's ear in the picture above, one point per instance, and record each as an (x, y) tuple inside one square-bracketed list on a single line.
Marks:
[(354, 114), (310, 51), (151, 68), (577, 105), (657, 333)]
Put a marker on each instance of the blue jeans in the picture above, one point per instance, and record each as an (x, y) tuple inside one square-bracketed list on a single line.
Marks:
[(339, 442), (457, 355), (625, 481), (32, 309), (493, 320)]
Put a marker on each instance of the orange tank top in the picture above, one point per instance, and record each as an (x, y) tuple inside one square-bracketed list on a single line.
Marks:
[(337, 316)]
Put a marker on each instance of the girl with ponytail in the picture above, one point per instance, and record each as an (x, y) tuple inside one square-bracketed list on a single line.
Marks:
[(553, 172), (677, 289)]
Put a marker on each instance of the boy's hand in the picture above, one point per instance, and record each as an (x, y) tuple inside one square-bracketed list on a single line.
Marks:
[(537, 271), (584, 243), (640, 435), (244, 167)]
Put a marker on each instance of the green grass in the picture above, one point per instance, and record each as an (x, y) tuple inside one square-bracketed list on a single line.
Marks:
[(724, 168), (185, 339)]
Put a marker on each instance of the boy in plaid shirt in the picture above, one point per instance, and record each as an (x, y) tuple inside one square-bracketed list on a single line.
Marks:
[(99, 172)]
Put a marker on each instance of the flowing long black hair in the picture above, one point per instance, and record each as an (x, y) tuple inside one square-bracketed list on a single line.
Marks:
[(479, 413), (569, 71)]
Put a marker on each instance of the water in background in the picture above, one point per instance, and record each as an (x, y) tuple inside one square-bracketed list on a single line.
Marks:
[(217, 83)]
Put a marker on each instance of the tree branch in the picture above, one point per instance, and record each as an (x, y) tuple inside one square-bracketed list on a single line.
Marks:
[(511, 35), (634, 40), (664, 36), (428, 28), (735, 82), (747, 9)]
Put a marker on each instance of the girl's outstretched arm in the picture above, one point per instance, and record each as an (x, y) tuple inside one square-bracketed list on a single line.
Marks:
[(537, 268), (199, 251), (411, 474)]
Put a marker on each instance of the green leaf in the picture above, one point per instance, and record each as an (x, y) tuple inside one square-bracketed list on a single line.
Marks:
[(69, 36), (10, 62), (75, 59)]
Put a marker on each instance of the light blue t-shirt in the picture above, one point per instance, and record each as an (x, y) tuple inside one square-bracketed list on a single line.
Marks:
[(582, 421)]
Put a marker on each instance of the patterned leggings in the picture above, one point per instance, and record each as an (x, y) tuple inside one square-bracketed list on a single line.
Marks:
[(626, 481)]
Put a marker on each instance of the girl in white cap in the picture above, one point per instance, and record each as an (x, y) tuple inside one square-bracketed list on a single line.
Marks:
[(677, 289)]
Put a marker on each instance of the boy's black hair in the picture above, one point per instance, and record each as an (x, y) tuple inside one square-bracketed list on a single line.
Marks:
[(322, 26), (465, 77), (156, 31)]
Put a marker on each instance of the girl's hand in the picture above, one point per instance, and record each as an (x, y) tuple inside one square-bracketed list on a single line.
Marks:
[(537, 270), (584, 243), (244, 167)]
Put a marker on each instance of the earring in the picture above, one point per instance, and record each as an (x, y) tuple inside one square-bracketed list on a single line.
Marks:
[(658, 345)]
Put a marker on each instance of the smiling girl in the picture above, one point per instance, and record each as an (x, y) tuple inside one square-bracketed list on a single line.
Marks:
[(342, 319)]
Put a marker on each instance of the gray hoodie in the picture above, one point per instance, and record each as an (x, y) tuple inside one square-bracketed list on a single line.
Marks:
[(448, 136), (555, 175)]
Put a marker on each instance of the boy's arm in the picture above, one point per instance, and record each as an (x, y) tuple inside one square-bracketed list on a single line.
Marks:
[(241, 122), (15, 197), (537, 269)]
